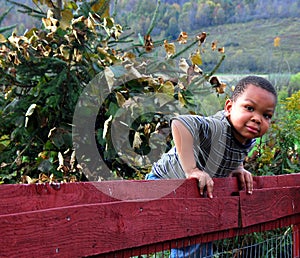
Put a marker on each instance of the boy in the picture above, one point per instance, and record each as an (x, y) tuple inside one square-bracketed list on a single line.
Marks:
[(215, 146)]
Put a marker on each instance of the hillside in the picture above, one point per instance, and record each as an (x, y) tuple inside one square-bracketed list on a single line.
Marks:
[(250, 47), (247, 34)]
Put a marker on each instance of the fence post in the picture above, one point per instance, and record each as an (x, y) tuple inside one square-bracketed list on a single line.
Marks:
[(296, 241)]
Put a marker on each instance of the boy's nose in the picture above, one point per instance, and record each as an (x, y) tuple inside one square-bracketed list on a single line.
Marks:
[(256, 118)]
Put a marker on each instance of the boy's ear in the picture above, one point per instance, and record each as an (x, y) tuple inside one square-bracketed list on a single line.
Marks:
[(228, 107)]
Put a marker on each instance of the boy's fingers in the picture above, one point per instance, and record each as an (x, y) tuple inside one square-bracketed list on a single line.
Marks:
[(209, 183), (201, 185), (210, 188), (249, 184)]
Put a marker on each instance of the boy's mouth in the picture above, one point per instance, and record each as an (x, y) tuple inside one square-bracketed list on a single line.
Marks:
[(253, 129)]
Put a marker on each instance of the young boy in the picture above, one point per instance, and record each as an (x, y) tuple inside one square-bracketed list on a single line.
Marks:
[(215, 146)]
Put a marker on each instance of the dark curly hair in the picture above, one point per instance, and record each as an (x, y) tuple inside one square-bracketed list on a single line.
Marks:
[(256, 81)]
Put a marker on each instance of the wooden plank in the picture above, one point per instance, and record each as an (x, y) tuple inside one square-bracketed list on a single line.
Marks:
[(269, 204), (85, 230), (23, 198), (263, 182)]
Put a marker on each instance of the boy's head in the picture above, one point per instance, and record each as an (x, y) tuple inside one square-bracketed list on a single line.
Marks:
[(256, 81), (251, 108)]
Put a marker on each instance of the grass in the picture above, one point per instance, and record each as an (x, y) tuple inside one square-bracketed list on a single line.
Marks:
[(250, 46)]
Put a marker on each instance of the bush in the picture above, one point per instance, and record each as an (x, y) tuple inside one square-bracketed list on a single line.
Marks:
[(278, 152)]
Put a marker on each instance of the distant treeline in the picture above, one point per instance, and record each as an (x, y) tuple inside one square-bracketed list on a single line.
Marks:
[(182, 15)]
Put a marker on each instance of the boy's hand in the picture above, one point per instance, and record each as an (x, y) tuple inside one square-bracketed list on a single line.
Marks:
[(245, 179), (204, 180)]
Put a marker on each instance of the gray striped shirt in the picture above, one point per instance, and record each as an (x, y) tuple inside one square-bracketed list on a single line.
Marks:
[(216, 151)]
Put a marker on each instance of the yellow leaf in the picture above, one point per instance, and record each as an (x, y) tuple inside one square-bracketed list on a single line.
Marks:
[(196, 58), (101, 6), (277, 42), (2, 39), (170, 48), (66, 18), (168, 88), (181, 99)]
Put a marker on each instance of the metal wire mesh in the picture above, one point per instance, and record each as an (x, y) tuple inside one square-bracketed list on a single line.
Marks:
[(269, 244)]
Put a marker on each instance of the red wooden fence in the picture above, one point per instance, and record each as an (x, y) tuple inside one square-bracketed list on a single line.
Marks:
[(112, 217)]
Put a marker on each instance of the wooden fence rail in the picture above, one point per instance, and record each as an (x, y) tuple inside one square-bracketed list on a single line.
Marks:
[(112, 217)]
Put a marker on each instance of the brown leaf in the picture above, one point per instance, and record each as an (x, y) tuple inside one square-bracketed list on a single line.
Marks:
[(201, 37), (148, 43), (219, 86), (214, 45), (221, 50), (182, 38)]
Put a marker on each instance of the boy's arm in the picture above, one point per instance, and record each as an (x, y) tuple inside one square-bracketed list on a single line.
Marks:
[(184, 145), (245, 178)]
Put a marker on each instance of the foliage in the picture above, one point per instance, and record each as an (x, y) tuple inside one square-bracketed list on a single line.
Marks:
[(44, 71), (278, 152)]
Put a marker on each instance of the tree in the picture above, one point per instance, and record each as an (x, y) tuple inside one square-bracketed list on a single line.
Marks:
[(45, 74)]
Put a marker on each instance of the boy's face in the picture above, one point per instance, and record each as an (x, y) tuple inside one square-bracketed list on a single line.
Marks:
[(251, 113)]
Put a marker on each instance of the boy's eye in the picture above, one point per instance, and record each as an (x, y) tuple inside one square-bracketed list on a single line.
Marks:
[(267, 116), (249, 108)]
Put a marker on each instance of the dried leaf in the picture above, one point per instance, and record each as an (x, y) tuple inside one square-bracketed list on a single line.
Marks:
[(101, 5), (170, 48), (221, 50), (66, 18), (129, 56), (120, 99), (60, 159), (277, 42), (168, 88), (148, 44), (221, 88), (110, 77), (50, 23), (2, 38), (214, 45), (197, 69), (73, 159), (137, 141), (181, 99), (29, 180), (106, 126), (201, 37), (182, 38), (183, 65), (196, 58), (30, 110), (214, 81)]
